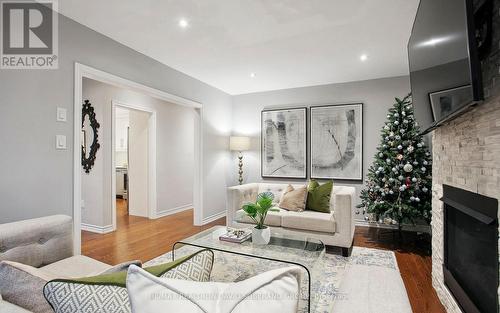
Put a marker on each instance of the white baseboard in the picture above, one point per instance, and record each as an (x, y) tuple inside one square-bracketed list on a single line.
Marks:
[(213, 217), (173, 210), (97, 229), (407, 227)]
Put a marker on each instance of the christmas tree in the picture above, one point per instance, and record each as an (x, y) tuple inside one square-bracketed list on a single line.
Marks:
[(398, 186)]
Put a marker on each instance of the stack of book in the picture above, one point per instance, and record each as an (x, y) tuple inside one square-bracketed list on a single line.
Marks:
[(236, 235)]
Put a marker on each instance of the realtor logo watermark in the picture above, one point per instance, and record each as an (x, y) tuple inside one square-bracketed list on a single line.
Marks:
[(29, 35)]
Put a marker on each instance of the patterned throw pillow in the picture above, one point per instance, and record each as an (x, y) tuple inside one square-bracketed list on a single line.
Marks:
[(108, 293)]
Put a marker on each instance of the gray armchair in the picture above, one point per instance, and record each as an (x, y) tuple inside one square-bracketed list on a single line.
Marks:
[(47, 244)]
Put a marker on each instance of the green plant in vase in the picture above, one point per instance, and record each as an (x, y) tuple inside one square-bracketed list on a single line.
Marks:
[(258, 211)]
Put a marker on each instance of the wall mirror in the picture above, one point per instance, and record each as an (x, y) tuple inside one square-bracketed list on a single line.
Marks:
[(89, 136)]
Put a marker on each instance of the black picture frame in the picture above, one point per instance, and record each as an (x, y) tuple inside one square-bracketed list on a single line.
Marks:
[(262, 143), (359, 176), (88, 163)]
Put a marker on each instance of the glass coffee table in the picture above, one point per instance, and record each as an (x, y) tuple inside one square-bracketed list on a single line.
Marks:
[(298, 250)]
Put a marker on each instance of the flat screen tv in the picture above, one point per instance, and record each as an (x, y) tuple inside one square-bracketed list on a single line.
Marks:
[(445, 71)]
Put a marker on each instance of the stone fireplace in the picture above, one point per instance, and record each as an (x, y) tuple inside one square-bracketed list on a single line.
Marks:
[(466, 155), (470, 266)]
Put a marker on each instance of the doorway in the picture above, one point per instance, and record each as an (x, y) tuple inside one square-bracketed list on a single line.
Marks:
[(85, 72), (133, 157)]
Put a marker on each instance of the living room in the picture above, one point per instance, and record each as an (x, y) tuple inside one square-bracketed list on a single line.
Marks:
[(300, 156)]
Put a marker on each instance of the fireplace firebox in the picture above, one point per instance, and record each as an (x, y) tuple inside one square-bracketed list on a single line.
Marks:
[(471, 249)]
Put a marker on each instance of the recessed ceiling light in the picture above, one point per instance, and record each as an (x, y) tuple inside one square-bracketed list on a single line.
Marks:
[(252, 75), (363, 57), (183, 23)]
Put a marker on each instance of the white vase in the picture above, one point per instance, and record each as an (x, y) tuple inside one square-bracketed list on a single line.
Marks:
[(261, 236)]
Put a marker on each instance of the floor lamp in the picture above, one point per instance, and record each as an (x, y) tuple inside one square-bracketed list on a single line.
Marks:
[(240, 144)]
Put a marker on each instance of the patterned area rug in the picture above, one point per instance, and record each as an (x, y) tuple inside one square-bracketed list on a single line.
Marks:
[(327, 276)]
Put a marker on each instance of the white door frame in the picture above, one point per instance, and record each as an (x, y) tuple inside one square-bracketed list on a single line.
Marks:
[(82, 71), (152, 203)]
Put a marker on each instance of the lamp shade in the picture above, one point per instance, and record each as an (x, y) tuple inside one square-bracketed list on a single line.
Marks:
[(238, 143)]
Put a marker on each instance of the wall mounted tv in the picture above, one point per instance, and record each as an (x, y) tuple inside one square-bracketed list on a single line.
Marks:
[(443, 52)]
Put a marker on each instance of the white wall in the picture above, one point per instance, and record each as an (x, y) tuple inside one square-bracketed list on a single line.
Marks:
[(376, 95), (138, 166), (122, 117), (175, 152), (37, 179)]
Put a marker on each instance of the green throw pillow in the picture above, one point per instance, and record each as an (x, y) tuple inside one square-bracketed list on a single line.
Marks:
[(318, 197), (108, 292)]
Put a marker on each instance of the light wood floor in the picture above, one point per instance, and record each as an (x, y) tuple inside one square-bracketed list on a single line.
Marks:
[(144, 239)]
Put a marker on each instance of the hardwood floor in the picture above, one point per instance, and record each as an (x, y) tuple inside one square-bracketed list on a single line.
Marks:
[(144, 239), (413, 255), (139, 238)]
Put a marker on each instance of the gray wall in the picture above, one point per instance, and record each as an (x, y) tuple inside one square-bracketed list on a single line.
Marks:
[(36, 179), (377, 97), (174, 153)]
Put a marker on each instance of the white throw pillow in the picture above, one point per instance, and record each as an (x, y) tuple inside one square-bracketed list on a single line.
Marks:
[(273, 291)]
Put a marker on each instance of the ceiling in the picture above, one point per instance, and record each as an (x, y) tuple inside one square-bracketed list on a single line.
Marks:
[(285, 43)]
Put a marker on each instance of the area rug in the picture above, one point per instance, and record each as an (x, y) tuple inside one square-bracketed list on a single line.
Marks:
[(367, 281)]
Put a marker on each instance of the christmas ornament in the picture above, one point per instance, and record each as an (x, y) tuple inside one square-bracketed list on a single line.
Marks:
[(408, 167), (425, 162), (399, 174), (412, 198)]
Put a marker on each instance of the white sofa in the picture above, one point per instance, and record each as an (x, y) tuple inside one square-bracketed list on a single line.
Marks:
[(333, 229)]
